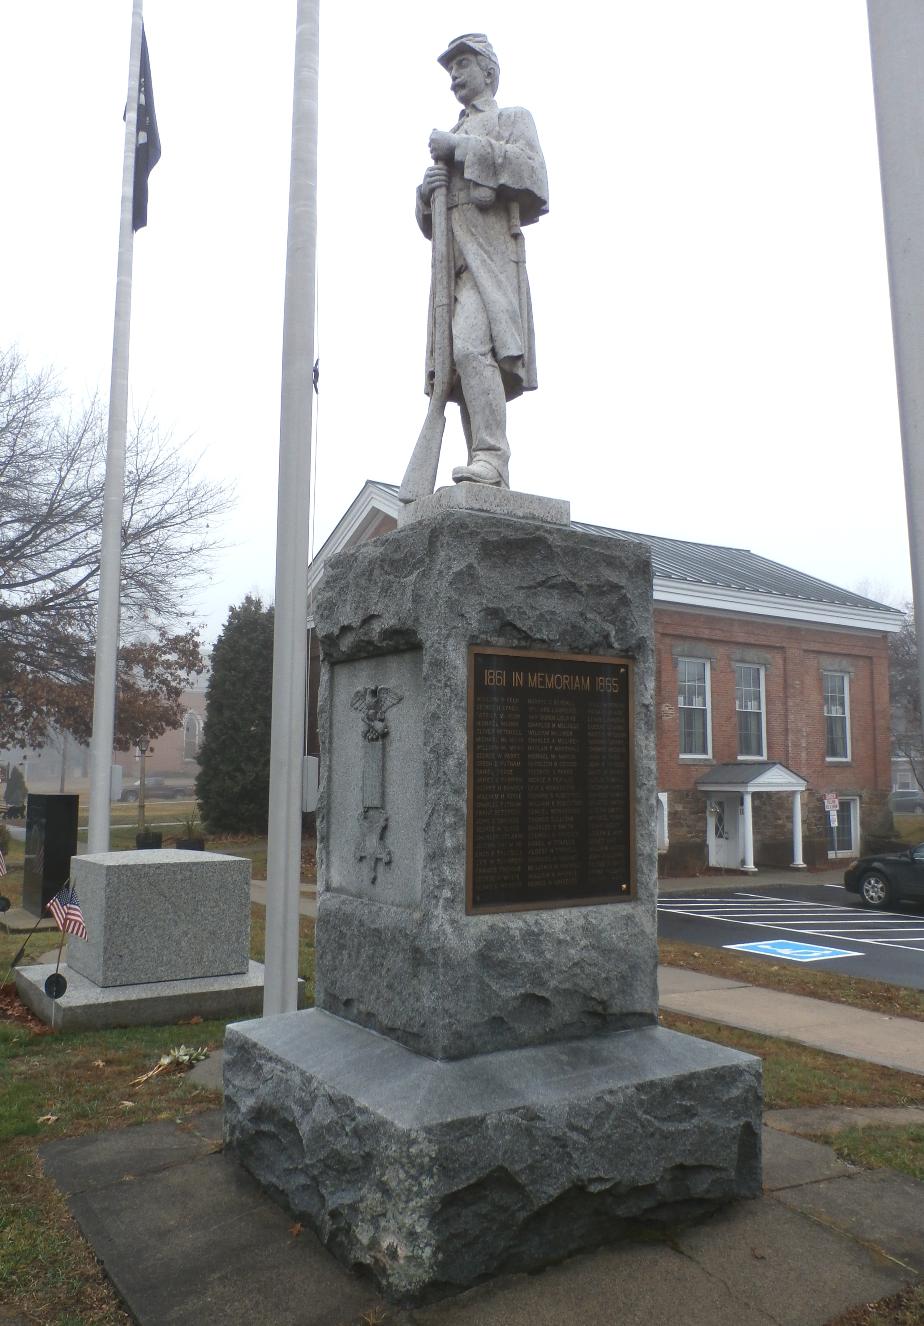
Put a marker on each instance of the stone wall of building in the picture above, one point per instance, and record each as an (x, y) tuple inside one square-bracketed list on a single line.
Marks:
[(686, 852)]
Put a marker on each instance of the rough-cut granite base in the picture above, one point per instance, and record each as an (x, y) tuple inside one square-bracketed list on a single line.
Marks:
[(161, 916), (435, 1174), (86, 1006)]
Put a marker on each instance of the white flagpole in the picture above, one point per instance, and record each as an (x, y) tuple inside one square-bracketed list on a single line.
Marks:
[(896, 30), (107, 630), (283, 864)]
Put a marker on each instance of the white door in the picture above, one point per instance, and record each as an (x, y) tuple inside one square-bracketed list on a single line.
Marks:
[(843, 838), (722, 827)]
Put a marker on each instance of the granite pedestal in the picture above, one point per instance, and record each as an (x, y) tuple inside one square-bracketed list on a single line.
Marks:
[(476, 1091), (168, 936), (86, 1006)]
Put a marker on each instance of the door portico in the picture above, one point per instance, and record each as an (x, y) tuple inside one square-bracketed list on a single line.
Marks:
[(729, 790)]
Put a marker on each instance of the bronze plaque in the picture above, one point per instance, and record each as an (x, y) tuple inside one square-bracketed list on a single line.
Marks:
[(550, 780)]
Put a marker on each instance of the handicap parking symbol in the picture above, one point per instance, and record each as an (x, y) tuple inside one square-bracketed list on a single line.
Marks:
[(794, 950)]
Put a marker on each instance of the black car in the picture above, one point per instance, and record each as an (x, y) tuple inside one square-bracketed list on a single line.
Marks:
[(882, 880), (156, 788)]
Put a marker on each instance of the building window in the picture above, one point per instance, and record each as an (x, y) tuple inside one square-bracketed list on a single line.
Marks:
[(837, 715), (663, 840), (749, 702), (693, 706), (192, 730), (844, 836)]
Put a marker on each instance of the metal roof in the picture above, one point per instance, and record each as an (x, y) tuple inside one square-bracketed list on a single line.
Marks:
[(714, 566), (745, 773), (733, 568)]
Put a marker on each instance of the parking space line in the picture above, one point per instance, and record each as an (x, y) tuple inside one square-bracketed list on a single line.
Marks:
[(866, 924), (829, 927), (894, 943), (776, 911)]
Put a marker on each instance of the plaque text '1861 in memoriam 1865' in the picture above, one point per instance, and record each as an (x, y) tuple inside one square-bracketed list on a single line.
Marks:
[(550, 782)]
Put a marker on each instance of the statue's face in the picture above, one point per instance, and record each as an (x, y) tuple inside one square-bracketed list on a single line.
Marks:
[(468, 81)]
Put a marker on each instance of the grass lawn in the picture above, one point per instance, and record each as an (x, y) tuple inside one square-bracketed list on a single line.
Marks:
[(798, 1077), (67, 1085), (880, 1148), (168, 818), (877, 996), (62, 1085), (903, 1309), (910, 828)]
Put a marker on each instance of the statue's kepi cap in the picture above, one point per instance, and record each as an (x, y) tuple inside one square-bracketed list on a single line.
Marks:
[(469, 41)]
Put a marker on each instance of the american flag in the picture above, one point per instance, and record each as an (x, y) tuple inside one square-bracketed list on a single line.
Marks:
[(65, 908), (2, 864)]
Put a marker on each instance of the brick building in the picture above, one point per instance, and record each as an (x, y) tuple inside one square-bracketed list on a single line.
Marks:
[(63, 764), (772, 691), (173, 755)]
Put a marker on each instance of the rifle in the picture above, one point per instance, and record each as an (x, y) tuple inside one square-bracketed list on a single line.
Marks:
[(420, 475)]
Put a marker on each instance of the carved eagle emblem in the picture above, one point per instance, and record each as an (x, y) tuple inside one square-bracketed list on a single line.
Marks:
[(372, 703)]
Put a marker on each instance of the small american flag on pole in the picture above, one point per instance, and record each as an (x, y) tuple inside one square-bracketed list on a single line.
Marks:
[(2, 864), (65, 908)]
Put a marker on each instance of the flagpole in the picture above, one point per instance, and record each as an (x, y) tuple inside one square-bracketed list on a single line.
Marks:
[(107, 629), (896, 32), (283, 863)]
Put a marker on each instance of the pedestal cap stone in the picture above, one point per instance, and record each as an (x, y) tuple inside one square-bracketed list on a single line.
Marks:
[(490, 501)]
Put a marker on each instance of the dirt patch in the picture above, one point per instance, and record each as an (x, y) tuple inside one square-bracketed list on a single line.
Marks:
[(12, 1009)]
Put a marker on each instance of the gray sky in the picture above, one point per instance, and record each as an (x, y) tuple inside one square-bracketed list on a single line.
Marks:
[(710, 289)]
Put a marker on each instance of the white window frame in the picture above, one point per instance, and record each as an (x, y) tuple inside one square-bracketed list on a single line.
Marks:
[(707, 681), (762, 673), (197, 724), (836, 672), (850, 805), (663, 838)]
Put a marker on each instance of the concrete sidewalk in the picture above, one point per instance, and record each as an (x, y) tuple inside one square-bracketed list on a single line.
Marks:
[(307, 896), (895, 1042), (187, 1237)]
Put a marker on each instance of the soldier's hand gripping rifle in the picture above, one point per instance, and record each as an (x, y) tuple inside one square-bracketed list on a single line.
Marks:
[(420, 475)]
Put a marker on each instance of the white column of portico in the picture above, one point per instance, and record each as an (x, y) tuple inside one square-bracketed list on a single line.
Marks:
[(748, 834), (797, 862)]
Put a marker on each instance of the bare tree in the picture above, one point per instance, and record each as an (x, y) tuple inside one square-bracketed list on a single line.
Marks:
[(52, 475), (905, 694)]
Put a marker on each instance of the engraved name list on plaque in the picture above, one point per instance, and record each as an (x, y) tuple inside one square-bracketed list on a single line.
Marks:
[(550, 780)]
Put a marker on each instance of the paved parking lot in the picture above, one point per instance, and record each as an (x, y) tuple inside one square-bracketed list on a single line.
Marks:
[(818, 924)]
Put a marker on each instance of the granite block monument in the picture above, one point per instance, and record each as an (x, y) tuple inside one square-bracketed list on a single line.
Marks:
[(168, 935), (483, 1084)]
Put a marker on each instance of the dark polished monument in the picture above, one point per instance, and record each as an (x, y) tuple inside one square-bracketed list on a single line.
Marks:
[(483, 1084), (51, 841)]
